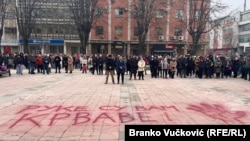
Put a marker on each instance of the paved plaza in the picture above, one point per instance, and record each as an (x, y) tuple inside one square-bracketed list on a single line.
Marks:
[(80, 107)]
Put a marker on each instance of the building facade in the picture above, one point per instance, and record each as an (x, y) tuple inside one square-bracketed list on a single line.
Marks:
[(224, 38), (244, 33), (114, 32), (232, 37)]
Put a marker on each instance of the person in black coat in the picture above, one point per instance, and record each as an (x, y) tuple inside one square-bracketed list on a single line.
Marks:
[(110, 65), (120, 69), (19, 64), (100, 64), (65, 62), (31, 63), (46, 61), (133, 67), (154, 65), (57, 62), (236, 65), (202, 66)]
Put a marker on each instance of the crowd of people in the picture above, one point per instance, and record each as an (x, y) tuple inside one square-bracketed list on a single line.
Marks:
[(136, 67)]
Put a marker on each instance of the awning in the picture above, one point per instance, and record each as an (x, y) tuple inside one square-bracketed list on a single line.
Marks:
[(221, 51), (162, 48)]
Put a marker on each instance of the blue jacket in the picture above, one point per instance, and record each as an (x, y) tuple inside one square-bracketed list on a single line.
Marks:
[(120, 66)]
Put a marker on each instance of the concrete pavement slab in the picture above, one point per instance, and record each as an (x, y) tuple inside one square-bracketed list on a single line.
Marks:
[(78, 107)]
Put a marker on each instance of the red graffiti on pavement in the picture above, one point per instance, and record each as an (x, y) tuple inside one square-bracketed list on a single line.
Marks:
[(219, 112), (82, 114)]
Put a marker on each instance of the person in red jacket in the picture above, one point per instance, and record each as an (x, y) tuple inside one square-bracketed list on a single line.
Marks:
[(39, 63)]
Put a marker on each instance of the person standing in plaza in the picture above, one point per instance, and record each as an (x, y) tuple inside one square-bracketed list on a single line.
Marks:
[(120, 69), (19, 64), (218, 66), (57, 62), (46, 61), (165, 68), (65, 63), (235, 67), (110, 65), (39, 63), (247, 68), (154, 66), (172, 67), (202, 66), (84, 64), (70, 63), (141, 68), (31, 63), (90, 64), (133, 67), (100, 62)]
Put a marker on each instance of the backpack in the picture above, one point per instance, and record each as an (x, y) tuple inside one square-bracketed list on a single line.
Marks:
[(4, 68)]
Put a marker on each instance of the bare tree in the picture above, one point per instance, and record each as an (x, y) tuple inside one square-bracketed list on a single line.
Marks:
[(230, 38), (200, 19), (25, 11), (145, 16), (84, 16), (3, 8)]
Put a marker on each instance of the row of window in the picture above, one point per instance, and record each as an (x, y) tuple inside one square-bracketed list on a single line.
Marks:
[(61, 29), (245, 27), (244, 38), (119, 31), (60, 13), (159, 13), (245, 17)]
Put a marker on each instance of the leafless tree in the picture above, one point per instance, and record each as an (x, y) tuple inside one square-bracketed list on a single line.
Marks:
[(3, 10), (144, 12), (202, 17), (85, 16), (230, 37), (25, 12)]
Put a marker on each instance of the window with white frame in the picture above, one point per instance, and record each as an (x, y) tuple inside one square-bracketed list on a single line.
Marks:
[(99, 12), (177, 31), (197, 14), (10, 30), (119, 12), (99, 30), (179, 14), (118, 30), (136, 31), (159, 13), (158, 31)]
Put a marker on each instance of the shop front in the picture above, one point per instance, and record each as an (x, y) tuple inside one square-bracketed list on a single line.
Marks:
[(9, 47), (162, 50), (221, 51), (44, 46)]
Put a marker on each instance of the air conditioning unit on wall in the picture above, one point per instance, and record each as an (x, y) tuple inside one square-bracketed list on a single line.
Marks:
[(160, 37), (180, 38)]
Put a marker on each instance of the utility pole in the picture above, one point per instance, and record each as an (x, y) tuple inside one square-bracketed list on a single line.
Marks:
[(245, 5)]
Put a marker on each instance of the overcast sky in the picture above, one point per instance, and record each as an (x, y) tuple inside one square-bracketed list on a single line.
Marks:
[(237, 4)]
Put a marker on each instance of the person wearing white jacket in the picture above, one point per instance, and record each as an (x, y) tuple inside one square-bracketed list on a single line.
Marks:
[(84, 62), (141, 68)]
